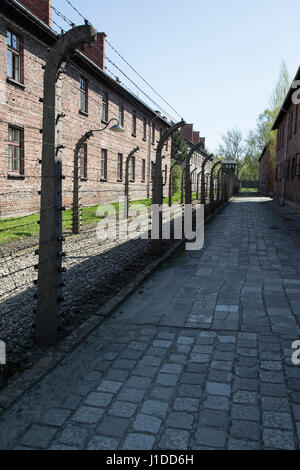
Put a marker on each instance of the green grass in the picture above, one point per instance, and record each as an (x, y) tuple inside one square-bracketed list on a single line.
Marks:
[(23, 227), (249, 189)]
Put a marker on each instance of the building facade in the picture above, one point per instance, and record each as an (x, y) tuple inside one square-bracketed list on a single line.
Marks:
[(287, 171), (191, 138), (266, 172), (90, 99)]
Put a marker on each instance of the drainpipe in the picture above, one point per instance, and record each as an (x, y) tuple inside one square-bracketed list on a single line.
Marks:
[(285, 158)]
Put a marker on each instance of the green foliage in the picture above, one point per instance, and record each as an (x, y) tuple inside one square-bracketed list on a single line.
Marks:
[(178, 147), (176, 179)]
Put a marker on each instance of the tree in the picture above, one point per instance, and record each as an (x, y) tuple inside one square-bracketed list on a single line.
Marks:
[(233, 147), (281, 88)]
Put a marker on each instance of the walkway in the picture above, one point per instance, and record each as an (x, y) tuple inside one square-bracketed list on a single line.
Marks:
[(198, 358)]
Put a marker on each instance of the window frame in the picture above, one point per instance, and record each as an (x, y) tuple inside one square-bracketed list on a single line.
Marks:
[(153, 133), (84, 92), (14, 52), (20, 172), (144, 128)]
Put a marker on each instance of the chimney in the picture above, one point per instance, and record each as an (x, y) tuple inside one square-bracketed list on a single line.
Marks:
[(196, 137), (158, 112), (40, 8), (187, 131), (202, 139), (96, 51)]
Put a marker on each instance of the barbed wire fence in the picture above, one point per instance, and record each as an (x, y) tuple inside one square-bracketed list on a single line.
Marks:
[(71, 265)]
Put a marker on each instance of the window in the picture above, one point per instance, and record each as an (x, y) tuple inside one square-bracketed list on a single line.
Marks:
[(83, 161), (83, 95), (121, 115), (153, 133), (145, 128), (143, 169), (160, 132), (15, 151), (296, 119), (103, 167), (297, 171), (279, 172), (134, 123), (14, 56), (105, 107), (286, 170), (167, 144), (132, 169), (120, 167)]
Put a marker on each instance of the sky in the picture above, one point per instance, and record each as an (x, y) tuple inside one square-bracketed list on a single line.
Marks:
[(215, 62)]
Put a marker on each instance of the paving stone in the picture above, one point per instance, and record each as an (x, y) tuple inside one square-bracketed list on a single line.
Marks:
[(100, 399), (162, 343), (192, 379), (277, 439), (138, 441), (246, 412), (74, 435), (245, 384), (126, 364), (180, 420), (102, 443), (38, 436), (113, 426), (88, 414), (171, 369), (55, 416), (167, 379), (272, 419), (145, 371), (138, 382), (71, 402), (134, 395), (162, 393), (174, 439), (155, 408), (186, 404), (244, 430), (109, 386), (275, 404), (150, 360), (123, 409), (214, 438), (146, 423), (215, 388), (239, 444), (215, 402), (245, 397), (216, 418), (190, 391), (92, 377)]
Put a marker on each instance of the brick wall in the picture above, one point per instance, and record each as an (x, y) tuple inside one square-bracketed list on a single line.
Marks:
[(287, 172), (266, 173), (22, 108)]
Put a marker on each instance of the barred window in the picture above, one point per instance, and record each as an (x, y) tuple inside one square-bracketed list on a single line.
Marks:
[(145, 128), (121, 115)]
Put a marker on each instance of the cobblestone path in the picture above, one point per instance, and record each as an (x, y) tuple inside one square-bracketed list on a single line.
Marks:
[(198, 358)]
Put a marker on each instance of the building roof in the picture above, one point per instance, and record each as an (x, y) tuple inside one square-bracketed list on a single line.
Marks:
[(286, 104), (18, 12)]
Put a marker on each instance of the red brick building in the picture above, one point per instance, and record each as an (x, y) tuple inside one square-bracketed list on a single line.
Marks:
[(287, 172), (266, 172), (90, 98)]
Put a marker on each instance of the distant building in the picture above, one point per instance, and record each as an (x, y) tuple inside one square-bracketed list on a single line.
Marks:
[(191, 138), (266, 172)]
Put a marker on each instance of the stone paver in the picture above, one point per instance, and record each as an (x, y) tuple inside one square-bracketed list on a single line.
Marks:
[(200, 358)]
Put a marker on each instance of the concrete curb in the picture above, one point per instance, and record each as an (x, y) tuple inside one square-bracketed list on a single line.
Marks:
[(20, 384)]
